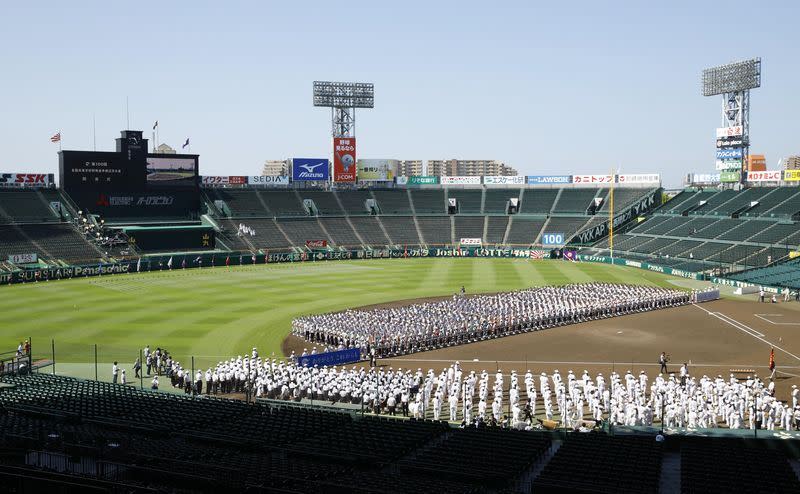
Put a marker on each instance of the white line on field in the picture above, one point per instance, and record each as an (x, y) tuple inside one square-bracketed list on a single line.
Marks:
[(741, 327), (562, 362), (764, 317)]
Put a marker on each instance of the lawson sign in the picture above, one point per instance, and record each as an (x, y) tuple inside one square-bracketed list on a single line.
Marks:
[(549, 179), (305, 169)]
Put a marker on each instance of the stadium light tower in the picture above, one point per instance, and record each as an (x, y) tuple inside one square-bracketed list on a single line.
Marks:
[(343, 98), (734, 82)]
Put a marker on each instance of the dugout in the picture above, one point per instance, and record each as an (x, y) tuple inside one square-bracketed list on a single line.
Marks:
[(172, 237)]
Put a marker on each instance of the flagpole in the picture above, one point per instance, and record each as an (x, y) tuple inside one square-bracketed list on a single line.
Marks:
[(611, 218), (94, 132), (59, 140)]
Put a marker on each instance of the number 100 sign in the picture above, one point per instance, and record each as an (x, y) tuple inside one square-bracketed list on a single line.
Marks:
[(552, 239)]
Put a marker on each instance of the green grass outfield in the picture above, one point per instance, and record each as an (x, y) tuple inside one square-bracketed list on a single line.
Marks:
[(213, 314)]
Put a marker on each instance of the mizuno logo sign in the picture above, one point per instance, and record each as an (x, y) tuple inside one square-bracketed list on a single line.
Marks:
[(311, 168)]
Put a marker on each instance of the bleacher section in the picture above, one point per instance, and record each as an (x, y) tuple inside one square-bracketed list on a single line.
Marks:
[(496, 200), (240, 202), (468, 227), (429, 201), (49, 241), (326, 202), (576, 201), (524, 231), (401, 230), (340, 232), (300, 230), (538, 201), (469, 200), (781, 202), (283, 202), (25, 206), (435, 230), (785, 274), (393, 201), (724, 231), (370, 230), (496, 229), (354, 201)]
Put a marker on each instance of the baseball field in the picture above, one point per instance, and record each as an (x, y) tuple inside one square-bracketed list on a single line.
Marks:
[(215, 313)]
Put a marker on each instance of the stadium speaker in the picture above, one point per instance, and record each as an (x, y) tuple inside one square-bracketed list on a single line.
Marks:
[(513, 205), (452, 205)]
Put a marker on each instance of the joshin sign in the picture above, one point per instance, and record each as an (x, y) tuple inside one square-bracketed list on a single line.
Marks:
[(344, 159)]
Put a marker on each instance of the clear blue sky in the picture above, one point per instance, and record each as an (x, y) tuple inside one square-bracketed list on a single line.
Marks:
[(562, 87)]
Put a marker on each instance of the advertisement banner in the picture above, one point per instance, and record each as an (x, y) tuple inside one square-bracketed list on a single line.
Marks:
[(729, 154), (22, 258), (549, 179), (26, 179), (214, 180), (730, 177), (791, 175), (729, 143), (592, 179), (570, 255), (316, 244), (418, 180), (456, 180), (377, 170), (729, 165), (538, 255), (552, 239), (470, 241), (734, 131), (268, 180), (637, 209), (344, 159), (339, 357), (764, 176), (504, 180), (308, 169), (704, 178), (639, 178)]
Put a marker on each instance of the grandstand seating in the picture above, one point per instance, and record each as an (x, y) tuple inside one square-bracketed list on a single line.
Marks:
[(240, 202), (624, 197), (22, 206), (354, 202), (785, 274), (469, 200), (267, 235), (728, 465), (429, 201), (538, 201), (401, 230), (283, 202), (48, 241), (326, 202), (340, 231), (468, 227), (496, 229), (602, 464), (301, 229), (435, 230), (524, 231), (781, 202), (370, 230), (496, 200), (393, 201), (576, 201)]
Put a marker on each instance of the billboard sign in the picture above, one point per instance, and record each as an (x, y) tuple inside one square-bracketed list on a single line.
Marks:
[(223, 180), (764, 176), (26, 179), (307, 169), (592, 179), (729, 143), (791, 175), (22, 258), (457, 180), (418, 180), (316, 244), (470, 241), (552, 239), (504, 180), (729, 177), (728, 164), (704, 178), (549, 179), (639, 178), (729, 154), (268, 180), (377, 170), (734, 131), (344, 159)]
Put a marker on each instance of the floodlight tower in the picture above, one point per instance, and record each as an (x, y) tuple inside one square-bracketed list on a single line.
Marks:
[(343, 98), (734, 82)]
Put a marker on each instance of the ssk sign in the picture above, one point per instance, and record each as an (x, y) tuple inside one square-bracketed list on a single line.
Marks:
[(25, 179)]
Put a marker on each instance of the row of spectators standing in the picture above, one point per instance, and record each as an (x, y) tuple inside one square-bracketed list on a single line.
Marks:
[(461, 319)]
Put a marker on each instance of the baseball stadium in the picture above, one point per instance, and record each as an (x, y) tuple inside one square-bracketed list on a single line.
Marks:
[(350, 324)]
